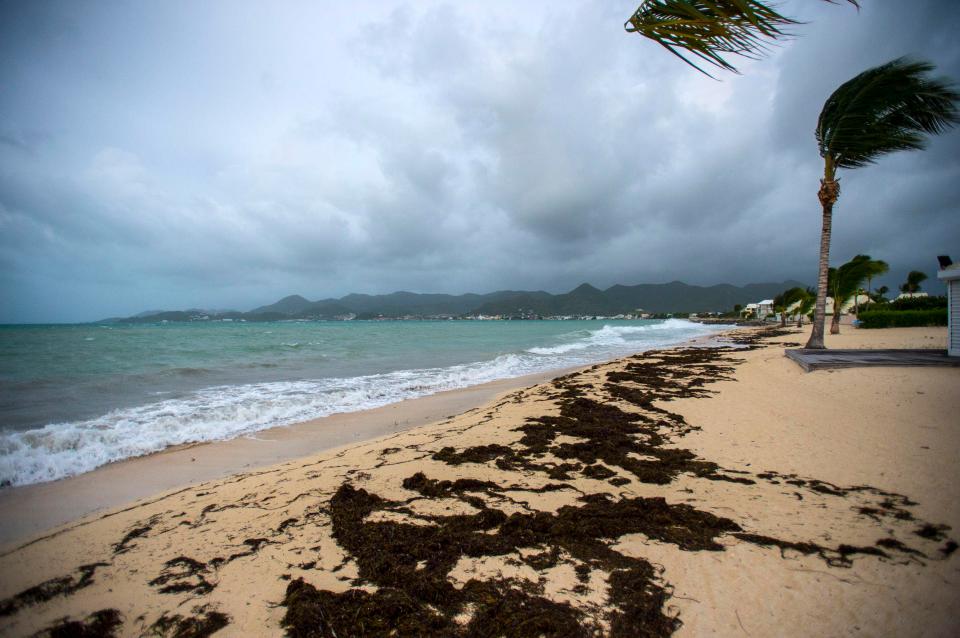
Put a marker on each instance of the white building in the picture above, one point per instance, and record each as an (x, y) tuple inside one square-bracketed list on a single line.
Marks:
[(764, 308), (950, 276)]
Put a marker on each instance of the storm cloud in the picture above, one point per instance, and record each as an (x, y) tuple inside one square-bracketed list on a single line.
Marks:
[(224, 154)]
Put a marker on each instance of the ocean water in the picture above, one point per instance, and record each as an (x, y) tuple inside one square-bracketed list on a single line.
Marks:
[(74, 397)]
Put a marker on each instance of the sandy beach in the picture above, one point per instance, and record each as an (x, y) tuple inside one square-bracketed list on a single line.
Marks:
[(693, 491)]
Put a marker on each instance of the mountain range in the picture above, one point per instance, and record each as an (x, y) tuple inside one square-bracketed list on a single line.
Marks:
[(674, 297)]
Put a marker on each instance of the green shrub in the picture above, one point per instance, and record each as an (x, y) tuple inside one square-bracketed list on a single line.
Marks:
[(902, 318), (918, 303)]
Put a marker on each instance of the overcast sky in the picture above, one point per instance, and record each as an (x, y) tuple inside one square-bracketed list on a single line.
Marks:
[(224, 154)]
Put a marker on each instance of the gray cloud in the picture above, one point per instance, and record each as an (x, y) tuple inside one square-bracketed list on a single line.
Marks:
[(226, 154)]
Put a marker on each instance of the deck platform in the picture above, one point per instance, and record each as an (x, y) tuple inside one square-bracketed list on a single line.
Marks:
[(811, 360)]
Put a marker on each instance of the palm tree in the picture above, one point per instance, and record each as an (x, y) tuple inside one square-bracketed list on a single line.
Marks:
[(883, 267), (914, 279), (844, 282), (780, 304), (789, 299), (892, 107), (881, 291), (712, 29), (806, 298)]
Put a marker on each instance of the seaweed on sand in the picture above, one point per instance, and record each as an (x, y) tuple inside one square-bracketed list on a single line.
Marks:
[(634, 441), (99, 624), (183, 574), (312, 612), (204, 623), (839, 557), (410, 564), (630, 441), (47, 590), (135, 533)]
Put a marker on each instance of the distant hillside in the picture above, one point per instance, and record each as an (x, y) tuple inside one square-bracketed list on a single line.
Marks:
[(292, 305), (585, 299), (675, 296)]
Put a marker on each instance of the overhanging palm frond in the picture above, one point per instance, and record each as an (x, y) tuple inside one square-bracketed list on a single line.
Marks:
[(712, 29), (892, 107)]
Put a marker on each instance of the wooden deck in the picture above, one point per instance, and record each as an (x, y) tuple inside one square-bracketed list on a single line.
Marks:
[(823, 359)]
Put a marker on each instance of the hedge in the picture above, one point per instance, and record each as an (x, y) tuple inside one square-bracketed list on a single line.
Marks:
[(902, 318), (918, 303)]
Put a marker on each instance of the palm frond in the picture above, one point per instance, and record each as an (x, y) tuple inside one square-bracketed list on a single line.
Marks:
[(843, 282), (709, 30), (892, 107)]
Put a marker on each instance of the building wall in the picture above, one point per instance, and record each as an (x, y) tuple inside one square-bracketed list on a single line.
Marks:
[(953, 314)]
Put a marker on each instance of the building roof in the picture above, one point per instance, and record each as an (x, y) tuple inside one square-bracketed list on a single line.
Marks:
[(950, 272)]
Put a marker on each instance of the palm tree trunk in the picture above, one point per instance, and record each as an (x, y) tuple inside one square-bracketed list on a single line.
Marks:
[(828, 194), (835, 322)]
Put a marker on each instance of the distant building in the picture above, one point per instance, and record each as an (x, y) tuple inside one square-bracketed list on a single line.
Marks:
[(764, 308)]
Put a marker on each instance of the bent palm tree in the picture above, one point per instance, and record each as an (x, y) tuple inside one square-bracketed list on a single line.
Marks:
[(792, 299), (806, 297), (914, 279), (844, 282), (712, 29), (882, 268), (780, 305), (892, 107)]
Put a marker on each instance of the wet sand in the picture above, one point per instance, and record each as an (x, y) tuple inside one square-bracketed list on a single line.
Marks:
[(697, 491), (31, 509)]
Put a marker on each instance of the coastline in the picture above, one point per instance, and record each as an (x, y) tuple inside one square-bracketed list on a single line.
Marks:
[(30, 510), (799, 506)]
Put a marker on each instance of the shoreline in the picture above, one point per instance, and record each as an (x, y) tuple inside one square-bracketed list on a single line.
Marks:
[(31, 510), (688, 491)]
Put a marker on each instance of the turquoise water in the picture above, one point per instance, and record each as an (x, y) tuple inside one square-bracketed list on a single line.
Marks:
[(73, 397)]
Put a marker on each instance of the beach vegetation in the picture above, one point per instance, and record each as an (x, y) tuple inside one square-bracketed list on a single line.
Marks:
[(889, 318), (780, 305), (912, 284), (805, 309), (844, 282), (791, 301), (710, 31), (892, 107), (794, 301), (918, 303)]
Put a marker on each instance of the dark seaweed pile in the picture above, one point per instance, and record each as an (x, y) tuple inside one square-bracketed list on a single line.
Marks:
[(410, 563), (99, 624), (50, 589), (203, 623)]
